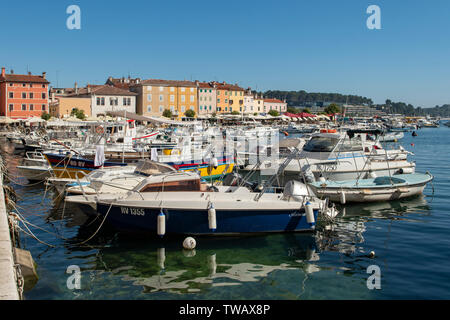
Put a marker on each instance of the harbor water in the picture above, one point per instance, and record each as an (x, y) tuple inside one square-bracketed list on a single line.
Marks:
[(410, 238)]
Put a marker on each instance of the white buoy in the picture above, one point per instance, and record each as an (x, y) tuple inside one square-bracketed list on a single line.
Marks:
[(161, 257), (212, 222), (189, 243), (342, 197), (372, 254), (309, 213), (161, 224)]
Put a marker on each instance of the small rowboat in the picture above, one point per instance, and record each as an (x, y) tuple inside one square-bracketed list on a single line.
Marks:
[(372, 189)]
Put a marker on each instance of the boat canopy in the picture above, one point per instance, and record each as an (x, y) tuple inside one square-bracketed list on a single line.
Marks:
[(149, 167), (351, 133)]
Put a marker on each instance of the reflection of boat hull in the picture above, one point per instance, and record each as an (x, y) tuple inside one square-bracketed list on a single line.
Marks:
[(370, 192)]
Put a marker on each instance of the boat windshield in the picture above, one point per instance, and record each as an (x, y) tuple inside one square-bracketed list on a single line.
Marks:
[(321, 144)]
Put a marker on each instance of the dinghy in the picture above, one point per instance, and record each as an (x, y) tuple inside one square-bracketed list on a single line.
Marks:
[(383, 188)]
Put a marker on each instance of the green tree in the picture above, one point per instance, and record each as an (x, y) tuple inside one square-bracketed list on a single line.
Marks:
[(78, 113), (332, 109), (167, 113), (190, 113), (46, 116), (274, 113), (234, 112), (306, 110), (255, 114), (291, 110)]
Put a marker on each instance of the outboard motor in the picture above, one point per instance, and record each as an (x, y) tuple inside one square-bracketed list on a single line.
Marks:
[(295, 190)]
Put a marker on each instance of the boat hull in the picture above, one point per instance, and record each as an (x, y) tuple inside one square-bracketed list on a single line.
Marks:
[(195, 222)]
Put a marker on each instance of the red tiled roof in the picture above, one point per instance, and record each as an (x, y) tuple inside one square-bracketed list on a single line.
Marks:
[(273, 101), (105, 90), (23, 78), (169, 83)]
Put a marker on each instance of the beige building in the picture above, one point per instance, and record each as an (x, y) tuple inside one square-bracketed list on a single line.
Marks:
[(207, 98), (62, 106), (155, 96)]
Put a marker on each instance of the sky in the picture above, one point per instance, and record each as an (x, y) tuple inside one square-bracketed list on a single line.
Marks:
[(316, 46)]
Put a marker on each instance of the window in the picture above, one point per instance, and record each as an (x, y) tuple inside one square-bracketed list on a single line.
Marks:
[(172, 89), (320, 144), (149, 108), (161, 89), (172, 108), (127, 101), (161, 97), (31, 85), (11, 95), (226, 100), (149, 88), (24, 95), (161, 108), (183, 109), (192, 108), (192, 98), (218, 100), (172, 98), (11, 85), (98, 101), (113, 101), (210, 90), (192, 89), (31, 107), (43, 107), (201, 108), (183, 89), (44, 96), (24, 85), (226, 108), (44, 86), (183, 98), (31, 95), (24, 107), (11, 107), (149, 97)]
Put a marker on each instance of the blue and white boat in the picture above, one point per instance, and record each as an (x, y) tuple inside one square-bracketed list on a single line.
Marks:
[(383, 188), (181, 203)]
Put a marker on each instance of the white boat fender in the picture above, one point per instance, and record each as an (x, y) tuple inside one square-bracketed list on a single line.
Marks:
[(342, 197), (215, 163), (161, 224), (371, 254), (212, 221), (212, 264), (309, 213), (189, 243)]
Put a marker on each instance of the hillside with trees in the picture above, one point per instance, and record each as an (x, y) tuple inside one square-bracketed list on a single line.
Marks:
[(299, 98)]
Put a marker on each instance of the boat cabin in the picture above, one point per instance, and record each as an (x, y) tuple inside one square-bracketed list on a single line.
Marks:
[(173, 182)]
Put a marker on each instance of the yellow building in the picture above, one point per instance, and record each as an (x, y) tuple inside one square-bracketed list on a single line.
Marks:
[(156, 95)]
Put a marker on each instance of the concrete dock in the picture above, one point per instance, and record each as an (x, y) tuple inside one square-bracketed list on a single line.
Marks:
[(8, 283)]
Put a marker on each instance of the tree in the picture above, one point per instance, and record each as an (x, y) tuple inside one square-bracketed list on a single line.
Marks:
[(255, 114), (332, 109), (46, 116), (274, 113), (306, 110), (234, 112), (213, 114), (167, 113), (78, 113), (190, 113), (291, 110)]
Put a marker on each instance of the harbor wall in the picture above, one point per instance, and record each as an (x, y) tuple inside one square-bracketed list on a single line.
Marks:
[(8, 283)]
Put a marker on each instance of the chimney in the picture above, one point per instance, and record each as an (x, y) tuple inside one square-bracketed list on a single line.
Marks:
[(76, 87), (12, 71), (3, 71), (44, 74), (29, 73)]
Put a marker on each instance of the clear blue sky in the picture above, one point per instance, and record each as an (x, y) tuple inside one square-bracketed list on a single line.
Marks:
[(317, 46)]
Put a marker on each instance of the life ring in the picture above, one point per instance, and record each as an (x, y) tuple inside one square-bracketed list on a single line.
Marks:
[(100, 130)]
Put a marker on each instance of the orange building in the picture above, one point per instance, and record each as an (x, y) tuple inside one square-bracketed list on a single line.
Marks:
[(230, 98), (23, 96)]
